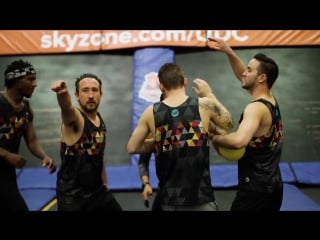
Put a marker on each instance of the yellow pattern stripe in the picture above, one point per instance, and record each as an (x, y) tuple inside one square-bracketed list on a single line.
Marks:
[(49, 205)]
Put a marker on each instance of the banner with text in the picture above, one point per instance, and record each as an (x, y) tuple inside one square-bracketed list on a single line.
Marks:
[(19, 42)]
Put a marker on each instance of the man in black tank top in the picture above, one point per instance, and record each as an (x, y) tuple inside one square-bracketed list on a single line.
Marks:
[(16, 122), (179, 127), (81, 180), (260, 186)]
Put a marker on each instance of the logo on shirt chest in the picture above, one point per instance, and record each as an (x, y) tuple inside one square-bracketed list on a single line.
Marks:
[(175, 113)]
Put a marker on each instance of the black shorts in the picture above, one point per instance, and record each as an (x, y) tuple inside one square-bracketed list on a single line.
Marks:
[(101, 201), (248, 200)]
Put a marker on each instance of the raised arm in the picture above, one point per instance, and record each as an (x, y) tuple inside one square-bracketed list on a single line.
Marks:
[(69, 113), (237, 65), (72, 121)]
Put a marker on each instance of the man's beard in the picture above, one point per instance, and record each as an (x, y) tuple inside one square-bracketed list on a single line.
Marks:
[(84, 107)]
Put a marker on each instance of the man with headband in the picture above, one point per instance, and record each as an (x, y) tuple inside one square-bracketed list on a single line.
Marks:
[(16, 121)]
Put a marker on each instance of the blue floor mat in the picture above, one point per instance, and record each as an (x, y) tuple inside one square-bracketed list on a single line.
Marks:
[(38, 187), (37, 198), (296, 200)]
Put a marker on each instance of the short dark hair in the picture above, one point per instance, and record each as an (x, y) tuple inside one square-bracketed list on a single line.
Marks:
[(87, 75), (171, 76), (269, 67)]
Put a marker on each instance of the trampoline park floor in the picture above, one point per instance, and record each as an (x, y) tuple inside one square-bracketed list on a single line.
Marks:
[(132, 200), (301, 187)]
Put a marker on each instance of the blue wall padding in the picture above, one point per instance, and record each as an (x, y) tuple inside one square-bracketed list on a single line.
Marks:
[(287, 174), (307, 172), (36, 178), (147, 62), (38, 187), (224, 175), (123, 177), (127, 177)]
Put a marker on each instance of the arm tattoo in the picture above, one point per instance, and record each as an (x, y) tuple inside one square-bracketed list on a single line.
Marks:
[(211, 106), (223, 114)]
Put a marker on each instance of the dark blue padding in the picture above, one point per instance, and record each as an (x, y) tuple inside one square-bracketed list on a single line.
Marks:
[(146, 63), (37, 177), (287, 174), (37, 198), (306, 172), (38, 187), (224, 175), (296, 200), (123, 177), (127, 177)]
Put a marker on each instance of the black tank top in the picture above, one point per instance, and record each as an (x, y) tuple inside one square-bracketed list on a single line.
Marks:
[(81, 164), (12, 126), (259, 169), (182, 159)]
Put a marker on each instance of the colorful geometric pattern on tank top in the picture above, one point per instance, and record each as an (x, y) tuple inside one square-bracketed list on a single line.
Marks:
[(13, 123), (12, 126), (259, 169), (91, 144), (82, 162), (275, 134), (179, 135), (182, 158)]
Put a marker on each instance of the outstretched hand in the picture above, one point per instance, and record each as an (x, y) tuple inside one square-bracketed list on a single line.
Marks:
[(59, 86)]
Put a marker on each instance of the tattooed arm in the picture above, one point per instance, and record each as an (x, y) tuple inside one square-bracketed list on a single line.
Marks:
[(211, 109), (218, 113)]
